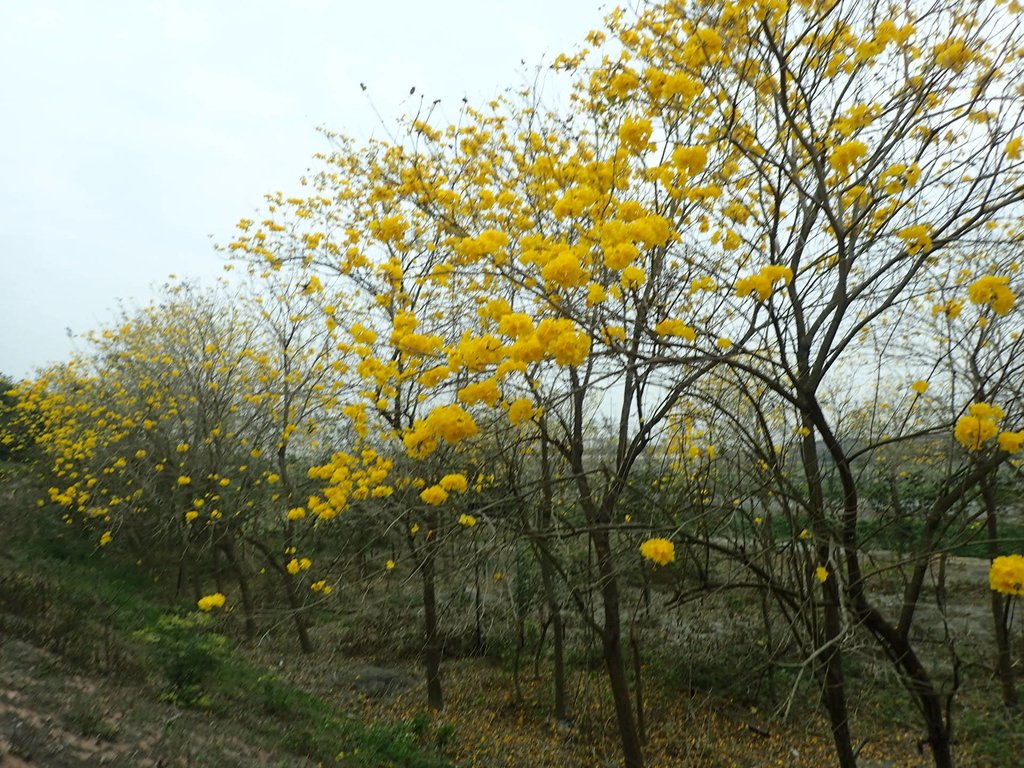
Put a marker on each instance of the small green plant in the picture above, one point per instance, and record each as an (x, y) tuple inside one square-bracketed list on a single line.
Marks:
[(443, 735), (418, 723), (188, 654)]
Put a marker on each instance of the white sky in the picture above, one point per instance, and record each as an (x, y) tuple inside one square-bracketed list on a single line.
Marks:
[(132, 132)]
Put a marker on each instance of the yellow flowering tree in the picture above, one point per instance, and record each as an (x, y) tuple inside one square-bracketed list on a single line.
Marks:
[(749, 198), (177, 430)]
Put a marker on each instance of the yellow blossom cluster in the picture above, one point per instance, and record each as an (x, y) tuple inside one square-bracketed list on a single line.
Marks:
[(657, 550), (451, 423), (675, 327), (349, 477), (1006, 575), (296, 565), (1011, 442), (994, 292), (209, 602), (762, 284), (916, 238), (978, 425), (438, 493), (847, 156)]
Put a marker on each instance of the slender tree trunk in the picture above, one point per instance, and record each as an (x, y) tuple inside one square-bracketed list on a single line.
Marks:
[(218, 570), (182, 581), (834, 693), (248, 604), (478, 606), (638, 686), (611, 641), (918, 681), (431, 639), (1004, 659), (547, 577), (295, 603), (291, 595), (557, 639)]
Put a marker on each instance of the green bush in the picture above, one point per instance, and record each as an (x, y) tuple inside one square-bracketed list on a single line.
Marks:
[(187, 653)]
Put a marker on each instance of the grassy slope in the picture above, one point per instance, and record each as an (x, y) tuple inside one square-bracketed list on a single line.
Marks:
[(79, 684)]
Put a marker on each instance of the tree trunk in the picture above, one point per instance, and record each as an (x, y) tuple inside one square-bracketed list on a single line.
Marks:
[(291, 595), (248, 605), (557, 622), (431, 640), (1000, 605), (918, 682), (638, 686), (1004, 660), (611, 641), (295, 603), (834, 692), (547, 577)]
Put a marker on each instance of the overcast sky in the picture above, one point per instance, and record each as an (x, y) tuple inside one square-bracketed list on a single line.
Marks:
[(133, 132)]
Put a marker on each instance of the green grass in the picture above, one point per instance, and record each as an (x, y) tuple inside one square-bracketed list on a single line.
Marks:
[(308, 726), (106, 616)]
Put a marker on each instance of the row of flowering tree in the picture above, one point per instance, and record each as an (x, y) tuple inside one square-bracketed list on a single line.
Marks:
[(752, 289), (798, 222), (756, 209), (178, 432)]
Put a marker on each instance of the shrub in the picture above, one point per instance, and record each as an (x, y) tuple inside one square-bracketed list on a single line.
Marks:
[(187, 653)]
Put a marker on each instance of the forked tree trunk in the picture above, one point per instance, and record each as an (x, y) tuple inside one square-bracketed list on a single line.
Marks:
[(918, 682)]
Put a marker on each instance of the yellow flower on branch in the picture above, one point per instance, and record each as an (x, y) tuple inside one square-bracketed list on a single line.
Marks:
[(847, 156), (951, 309), (520, 410), (762, 284), (434, 495), (635, 133), (454, 483), (209, 602), (916, 238), (978, 426), (660, 551), (675, 327), (1006, 575), (1011, 442), (993, 291)]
